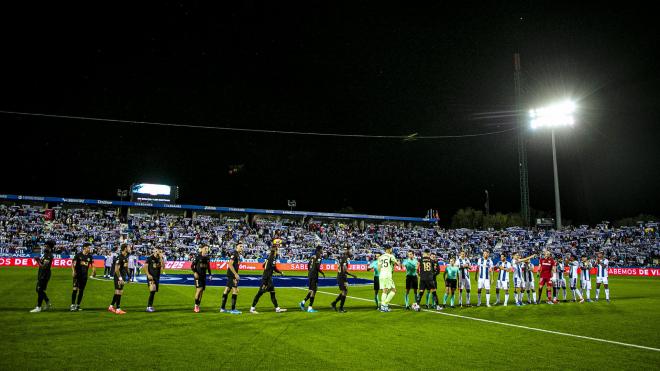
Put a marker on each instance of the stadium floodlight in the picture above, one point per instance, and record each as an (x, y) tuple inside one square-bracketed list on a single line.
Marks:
[(556, 115), (560, 114)]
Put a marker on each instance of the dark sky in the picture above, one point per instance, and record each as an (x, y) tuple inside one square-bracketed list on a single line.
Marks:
[(361, 68)]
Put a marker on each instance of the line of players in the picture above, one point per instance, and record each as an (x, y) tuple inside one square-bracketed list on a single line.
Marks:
[(456, 276), (551, 274)]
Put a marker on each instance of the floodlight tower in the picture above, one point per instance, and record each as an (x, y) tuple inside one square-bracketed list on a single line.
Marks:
[(553, 116)]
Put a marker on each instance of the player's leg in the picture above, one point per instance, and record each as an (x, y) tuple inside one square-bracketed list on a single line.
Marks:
[(383, 298), (234, 296), (597, 289), (74, 294), (152, 294), (480, 286), (257, 296), (607, 290), (81, 291), (497, 292), (225, 295)]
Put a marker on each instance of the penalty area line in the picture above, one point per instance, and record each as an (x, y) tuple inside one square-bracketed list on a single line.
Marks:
[(516, 326)]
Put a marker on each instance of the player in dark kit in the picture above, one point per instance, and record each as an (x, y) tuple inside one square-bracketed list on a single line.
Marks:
[(155, 264), (342, 280), (267, 279), (313, 270), (121, 277), (427, 277), (200, 266), (43, 276), (80, 268), (232, 281)]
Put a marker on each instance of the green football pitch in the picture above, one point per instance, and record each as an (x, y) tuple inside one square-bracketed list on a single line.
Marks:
[(624, 334)]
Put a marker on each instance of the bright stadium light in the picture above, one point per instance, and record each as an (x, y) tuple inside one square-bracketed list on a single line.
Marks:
[(554, 116), (560, 114)]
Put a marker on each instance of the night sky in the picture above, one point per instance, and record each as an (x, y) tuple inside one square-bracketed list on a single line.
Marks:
[(361, 68)]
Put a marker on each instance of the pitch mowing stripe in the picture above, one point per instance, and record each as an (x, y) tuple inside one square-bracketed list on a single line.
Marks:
[(512, 325)]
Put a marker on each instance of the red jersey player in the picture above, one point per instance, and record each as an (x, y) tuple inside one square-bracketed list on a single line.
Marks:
[(548, 266)]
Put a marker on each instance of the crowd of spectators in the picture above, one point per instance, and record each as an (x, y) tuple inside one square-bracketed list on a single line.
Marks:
[(24, 228)]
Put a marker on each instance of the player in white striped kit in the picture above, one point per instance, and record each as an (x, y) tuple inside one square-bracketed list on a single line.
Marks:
[(463, 264), (601, 276), (573, 266), (585, 278), (528, 278), (558, 279), (504, 267), (519, 277), (485, 267)]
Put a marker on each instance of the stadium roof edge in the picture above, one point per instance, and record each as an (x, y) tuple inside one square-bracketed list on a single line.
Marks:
[(219, 209)]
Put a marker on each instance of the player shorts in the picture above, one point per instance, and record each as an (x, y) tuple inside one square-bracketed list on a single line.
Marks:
[(411, 283), (559, 283), (267, 284), (342, 283), (119, 285), (386, 283), (602, 280), (483, 283), (427, 284), (313, 283), (200, 283), (518, 283), (465, 284), (232, 282), (545, 282), (502, 285), (42, 284), (450, 283), (376, 283), (79, 283), (586, 284), (155, 282)]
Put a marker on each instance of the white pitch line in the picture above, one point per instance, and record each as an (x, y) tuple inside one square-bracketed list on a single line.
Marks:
[(512, 325)]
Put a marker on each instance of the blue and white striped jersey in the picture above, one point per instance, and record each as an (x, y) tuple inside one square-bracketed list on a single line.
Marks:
[(560, 270), (484, 265), (529, 272), (504, 266), (602, 268), (517, 269), (573, 269), (465, 272), (585, 267)]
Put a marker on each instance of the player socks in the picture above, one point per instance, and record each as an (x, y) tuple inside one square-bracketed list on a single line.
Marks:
[(534, 294), (506, 298), (197, 301), (444, 299), (343, 300), (390, 295), (383, 298), (224, 300), (487, 298), (479, 297), (597, 293), (428, 297), (407, 301), (607, 294), (73, 297), (233, 301), (151, 298), (451, 301), (460, 297), (311, 301), (375, 299), (114, 300), (435, 297), (274, 299), (467, 297), (256, 298), (80, 296), (118, 301), (309, 294)]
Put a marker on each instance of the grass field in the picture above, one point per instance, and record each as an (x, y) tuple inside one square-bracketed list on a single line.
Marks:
[(176, 338)]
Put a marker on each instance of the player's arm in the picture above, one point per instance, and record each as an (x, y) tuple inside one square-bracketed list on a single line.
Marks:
[(73, 267), (91, 265), (275, 268), (193, 266), (119, 277), (321, 271), (231, 268), (349, 273)]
